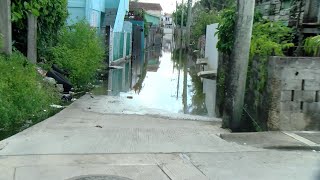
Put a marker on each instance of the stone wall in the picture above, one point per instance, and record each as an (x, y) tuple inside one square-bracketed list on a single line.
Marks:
[(290, 12), (294, 92)]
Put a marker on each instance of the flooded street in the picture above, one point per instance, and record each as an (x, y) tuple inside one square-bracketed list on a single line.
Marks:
[(163, 78)]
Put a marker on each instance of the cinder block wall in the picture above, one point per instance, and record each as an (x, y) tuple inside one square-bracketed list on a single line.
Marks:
[(294, 93)]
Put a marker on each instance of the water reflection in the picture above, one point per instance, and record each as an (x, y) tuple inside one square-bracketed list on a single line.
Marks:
[(161, 78)]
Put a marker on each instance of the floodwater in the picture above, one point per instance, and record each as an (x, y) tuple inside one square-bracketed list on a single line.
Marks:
[(164, 78)]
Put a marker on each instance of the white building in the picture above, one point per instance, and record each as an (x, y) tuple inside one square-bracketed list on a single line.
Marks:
[(167, 21)]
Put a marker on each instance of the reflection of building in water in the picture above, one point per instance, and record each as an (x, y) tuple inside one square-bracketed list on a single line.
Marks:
[(167, 44), (153, 57)]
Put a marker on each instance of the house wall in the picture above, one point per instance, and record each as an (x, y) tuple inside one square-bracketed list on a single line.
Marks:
[(94, 12), (152, 19), (112, 3), (155, 13), (123, 8), (76, 10)]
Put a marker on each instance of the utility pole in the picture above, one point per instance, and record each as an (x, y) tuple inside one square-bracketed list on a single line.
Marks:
[(239, 65), (181, 25), (189, 22), (5, 27)]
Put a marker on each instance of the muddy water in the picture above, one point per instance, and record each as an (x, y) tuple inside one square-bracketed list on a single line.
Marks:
[(163, 78)]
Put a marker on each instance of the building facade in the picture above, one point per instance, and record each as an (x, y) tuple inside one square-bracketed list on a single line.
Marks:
[(107, 16), (167, 21)]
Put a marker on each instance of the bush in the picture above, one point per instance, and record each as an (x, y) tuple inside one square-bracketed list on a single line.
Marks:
[(312, 46), (24, 98), (79, 51), (200, 24)]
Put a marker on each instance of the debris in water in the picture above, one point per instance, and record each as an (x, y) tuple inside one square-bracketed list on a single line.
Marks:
[(130, 97), (98, 126), (89, 107), (45, 110)]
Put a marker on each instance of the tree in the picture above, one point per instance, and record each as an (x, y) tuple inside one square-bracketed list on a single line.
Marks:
[(177, 14), (216, 4)]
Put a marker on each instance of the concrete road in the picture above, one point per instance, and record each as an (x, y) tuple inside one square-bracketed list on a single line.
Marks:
[(109, 136)]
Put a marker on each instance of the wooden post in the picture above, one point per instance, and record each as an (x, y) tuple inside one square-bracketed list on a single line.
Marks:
[(32, 38), (5, 27), (239, 65)]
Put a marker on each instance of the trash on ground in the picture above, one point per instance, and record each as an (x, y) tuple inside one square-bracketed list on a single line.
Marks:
[(57, 106)]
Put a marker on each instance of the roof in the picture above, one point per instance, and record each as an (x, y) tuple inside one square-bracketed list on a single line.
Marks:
[(145, 6)]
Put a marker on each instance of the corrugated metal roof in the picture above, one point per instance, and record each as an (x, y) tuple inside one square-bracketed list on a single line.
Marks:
[(145, 6)]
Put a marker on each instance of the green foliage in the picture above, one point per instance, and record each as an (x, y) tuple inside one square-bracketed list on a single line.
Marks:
[(270, 37), (80, 51), (20, 8), (227, 22), (200, 23), (312, 45), (218, 5), (177, 14), (24, 97), (51, 16)]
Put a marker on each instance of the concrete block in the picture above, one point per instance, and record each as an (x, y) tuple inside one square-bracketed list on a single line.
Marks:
[(286, 96), (298, 122), (294, 84), (290, 106), (284, 120), (298, 73), (291, 121), (312, 85), (305, 96), (312, 107), (295, 62)]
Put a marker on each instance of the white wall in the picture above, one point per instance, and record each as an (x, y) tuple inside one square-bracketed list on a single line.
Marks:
[(211, 51)]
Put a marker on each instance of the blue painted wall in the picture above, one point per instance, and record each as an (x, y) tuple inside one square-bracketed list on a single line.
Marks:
[(112, 3), (93, 11)]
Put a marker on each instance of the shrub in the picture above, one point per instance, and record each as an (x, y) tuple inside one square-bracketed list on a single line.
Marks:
[(200, 24), (79, 51), (23, 95), (312, 46)]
